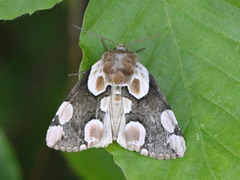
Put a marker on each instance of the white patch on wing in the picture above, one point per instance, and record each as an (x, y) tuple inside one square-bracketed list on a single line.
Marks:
[(177, 143), (62, 107), (174, 156), (96, 80), (75, 149), (168, 120), (93, 132), (127, 105), (82, 147), (69, 149), (54, 133), (160, 156), (65, 112), (135, 135), (107, 132), (62, 148), (167, 156), (104, 103), (153, 155), (56, 147), (141, 76), (144, 152)]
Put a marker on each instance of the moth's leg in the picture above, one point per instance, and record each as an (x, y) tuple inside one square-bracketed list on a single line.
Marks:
[(134, 135)]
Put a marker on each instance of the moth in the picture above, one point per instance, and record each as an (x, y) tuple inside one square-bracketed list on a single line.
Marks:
[(117, 100)]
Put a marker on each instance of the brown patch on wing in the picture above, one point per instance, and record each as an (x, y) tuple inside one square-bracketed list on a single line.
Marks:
[(135, 86), (96, 131), (132, 134), (100, 84)]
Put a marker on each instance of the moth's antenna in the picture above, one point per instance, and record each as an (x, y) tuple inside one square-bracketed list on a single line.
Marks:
[(104, 45), (141, 40), (142, 49), (77, 74), (95, 35)]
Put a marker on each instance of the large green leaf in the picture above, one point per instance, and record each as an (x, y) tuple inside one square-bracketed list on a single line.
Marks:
[(94, 164), (10, 9), (10, 169), (196, 62)]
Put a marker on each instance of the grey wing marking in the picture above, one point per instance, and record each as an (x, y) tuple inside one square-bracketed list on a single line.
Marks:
[(66, 131), (163, 139)]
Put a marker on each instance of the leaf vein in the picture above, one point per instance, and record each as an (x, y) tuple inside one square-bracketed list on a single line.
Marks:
[(214, 65), (134, 20), (212, 137), (228, 112), (179, 59), (186, 85), (207, 25), (99, 17), (205, 156)]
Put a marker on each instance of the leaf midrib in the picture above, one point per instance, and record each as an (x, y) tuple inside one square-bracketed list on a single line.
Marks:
[(187, 88)]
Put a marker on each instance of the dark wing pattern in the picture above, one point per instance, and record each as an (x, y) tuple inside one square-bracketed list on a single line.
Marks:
[(163, 139), (66, 131), (81, 110)]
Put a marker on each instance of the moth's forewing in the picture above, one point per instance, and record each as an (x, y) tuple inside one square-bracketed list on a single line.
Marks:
[(66, 131), (163, 139)]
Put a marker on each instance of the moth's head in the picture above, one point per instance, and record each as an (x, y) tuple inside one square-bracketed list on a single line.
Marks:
[(120, 46), (123, 48)]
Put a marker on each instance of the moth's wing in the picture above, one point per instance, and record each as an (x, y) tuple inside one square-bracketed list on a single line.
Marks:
[(155, 120), (67, 130)]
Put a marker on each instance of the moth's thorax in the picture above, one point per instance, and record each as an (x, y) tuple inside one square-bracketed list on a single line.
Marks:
[(118, 65)]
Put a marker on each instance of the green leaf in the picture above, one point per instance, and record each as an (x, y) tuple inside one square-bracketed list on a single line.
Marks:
[(10, 9), (94, 164), (195, 60), (10, 169)]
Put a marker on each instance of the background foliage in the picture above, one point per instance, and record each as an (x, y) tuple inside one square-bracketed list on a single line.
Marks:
[(195, 61)]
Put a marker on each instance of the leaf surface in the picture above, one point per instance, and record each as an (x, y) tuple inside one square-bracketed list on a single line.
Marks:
[(94, 164), (195, 60), (10, 9)]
